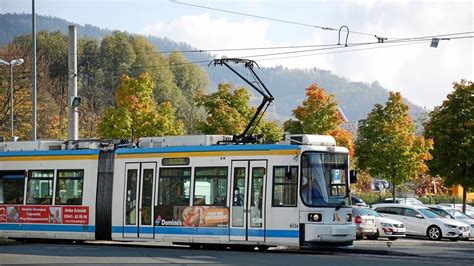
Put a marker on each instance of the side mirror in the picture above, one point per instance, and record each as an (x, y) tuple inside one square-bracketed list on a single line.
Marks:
[(353, 176), (419, 216)]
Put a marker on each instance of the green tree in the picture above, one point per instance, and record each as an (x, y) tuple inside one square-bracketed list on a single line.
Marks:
[(451, 127), (387, 146), (228, 112), (136, 113), (317, 115), (193, 81)]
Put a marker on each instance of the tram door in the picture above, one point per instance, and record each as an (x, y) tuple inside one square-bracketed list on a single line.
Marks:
[(247, 221), (138, 203)]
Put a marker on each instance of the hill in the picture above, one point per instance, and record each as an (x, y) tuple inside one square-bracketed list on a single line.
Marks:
[(287, 85)]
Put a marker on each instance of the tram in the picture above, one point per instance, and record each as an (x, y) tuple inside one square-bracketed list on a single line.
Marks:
[(193, 190)]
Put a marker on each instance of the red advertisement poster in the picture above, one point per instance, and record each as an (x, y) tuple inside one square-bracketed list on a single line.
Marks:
[(28, 214), (75, 215), (3, 214)]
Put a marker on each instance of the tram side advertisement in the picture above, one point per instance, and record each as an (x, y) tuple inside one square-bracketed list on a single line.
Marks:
[(196, 216), (44, 214)]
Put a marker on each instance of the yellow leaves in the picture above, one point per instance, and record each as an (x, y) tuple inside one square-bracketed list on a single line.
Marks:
[(137, 114), (317, 114), (344, 138)]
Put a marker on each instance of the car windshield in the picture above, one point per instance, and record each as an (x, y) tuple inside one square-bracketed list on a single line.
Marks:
[(363, 211), (323, 178), (441, 212), (374, 213), (428, 213), (460, 215)]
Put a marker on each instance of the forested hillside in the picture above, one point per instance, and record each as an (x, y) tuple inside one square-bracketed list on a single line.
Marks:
[(287, 85)]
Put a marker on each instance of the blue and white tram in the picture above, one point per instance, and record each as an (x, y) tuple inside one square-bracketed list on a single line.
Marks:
[(182, 189)]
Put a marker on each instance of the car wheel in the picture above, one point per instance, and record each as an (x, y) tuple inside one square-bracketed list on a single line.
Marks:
[(434, 233)]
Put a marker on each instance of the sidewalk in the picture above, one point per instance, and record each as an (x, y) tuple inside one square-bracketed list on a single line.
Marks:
[(418, 247)]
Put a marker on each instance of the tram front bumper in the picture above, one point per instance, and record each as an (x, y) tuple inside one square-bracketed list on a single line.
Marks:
[(329, 233)]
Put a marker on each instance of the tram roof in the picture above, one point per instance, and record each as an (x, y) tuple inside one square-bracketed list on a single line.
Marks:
[(248, 147)]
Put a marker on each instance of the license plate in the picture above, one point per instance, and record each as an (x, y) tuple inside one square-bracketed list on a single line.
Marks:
[(369, 221)]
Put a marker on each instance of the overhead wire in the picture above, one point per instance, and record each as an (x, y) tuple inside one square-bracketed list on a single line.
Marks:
[(268, 18)]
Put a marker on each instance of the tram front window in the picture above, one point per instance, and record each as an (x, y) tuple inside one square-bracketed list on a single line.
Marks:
[(323, 178)]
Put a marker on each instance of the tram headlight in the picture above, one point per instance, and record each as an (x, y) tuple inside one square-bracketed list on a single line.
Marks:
[(315, 217)]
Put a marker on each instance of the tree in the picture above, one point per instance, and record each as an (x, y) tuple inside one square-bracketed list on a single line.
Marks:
[(387, 146), (317, 115), (228, 112), (193, 81), (49, 124), (136, 113), (451, 127), (344, 138)]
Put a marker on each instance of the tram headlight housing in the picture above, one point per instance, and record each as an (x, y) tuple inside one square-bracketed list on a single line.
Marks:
[(315, 217)]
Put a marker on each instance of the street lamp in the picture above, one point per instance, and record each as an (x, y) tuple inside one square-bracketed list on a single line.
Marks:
[(14, 62)]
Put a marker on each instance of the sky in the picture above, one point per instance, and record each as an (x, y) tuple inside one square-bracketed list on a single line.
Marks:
[(422, 74)]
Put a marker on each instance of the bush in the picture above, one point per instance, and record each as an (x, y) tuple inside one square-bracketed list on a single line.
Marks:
[(372, 197), (436, 199)]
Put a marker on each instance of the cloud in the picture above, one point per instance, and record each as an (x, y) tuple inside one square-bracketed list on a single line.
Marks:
[(422, 74), (202, 32)]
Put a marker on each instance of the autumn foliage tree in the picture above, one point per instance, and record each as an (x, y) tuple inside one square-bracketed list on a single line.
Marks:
[(228, 112), (387, 146), (451, 126), (136, 114), (318, 114)]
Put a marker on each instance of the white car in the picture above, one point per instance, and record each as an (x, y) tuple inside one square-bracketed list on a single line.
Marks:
[(387, 227), (407, 201), (421, 221), (456, 215), (469, 208)]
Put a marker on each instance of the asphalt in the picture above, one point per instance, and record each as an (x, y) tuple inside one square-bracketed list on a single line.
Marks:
[(459, 250)]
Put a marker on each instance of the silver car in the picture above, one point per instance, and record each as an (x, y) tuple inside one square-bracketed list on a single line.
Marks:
[(364, 222)]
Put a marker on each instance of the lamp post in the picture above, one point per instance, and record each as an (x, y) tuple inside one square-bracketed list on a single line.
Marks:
[(12, 63)]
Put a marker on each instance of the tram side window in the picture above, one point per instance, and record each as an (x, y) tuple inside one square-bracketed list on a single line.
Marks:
[(69, 184), (174, 186), (285, 186), (12, 186), (40, 187), (210, 186)]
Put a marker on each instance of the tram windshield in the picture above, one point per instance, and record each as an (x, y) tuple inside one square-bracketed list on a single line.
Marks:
[(323, 178)]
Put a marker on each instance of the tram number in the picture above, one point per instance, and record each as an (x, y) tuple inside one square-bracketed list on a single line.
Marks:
[(294, 225)]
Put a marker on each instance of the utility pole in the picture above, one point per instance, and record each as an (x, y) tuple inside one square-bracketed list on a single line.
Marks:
[(33, 78), (73, 100)]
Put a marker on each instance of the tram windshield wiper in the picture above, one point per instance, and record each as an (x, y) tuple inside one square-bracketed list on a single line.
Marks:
[(245, 136)]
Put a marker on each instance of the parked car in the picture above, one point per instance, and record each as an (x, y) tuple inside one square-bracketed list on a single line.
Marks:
[(421, 221), (364, 222), (469, 208), (407, 201), (380, 185), (456, 215), (357, 201), (387, 227)]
